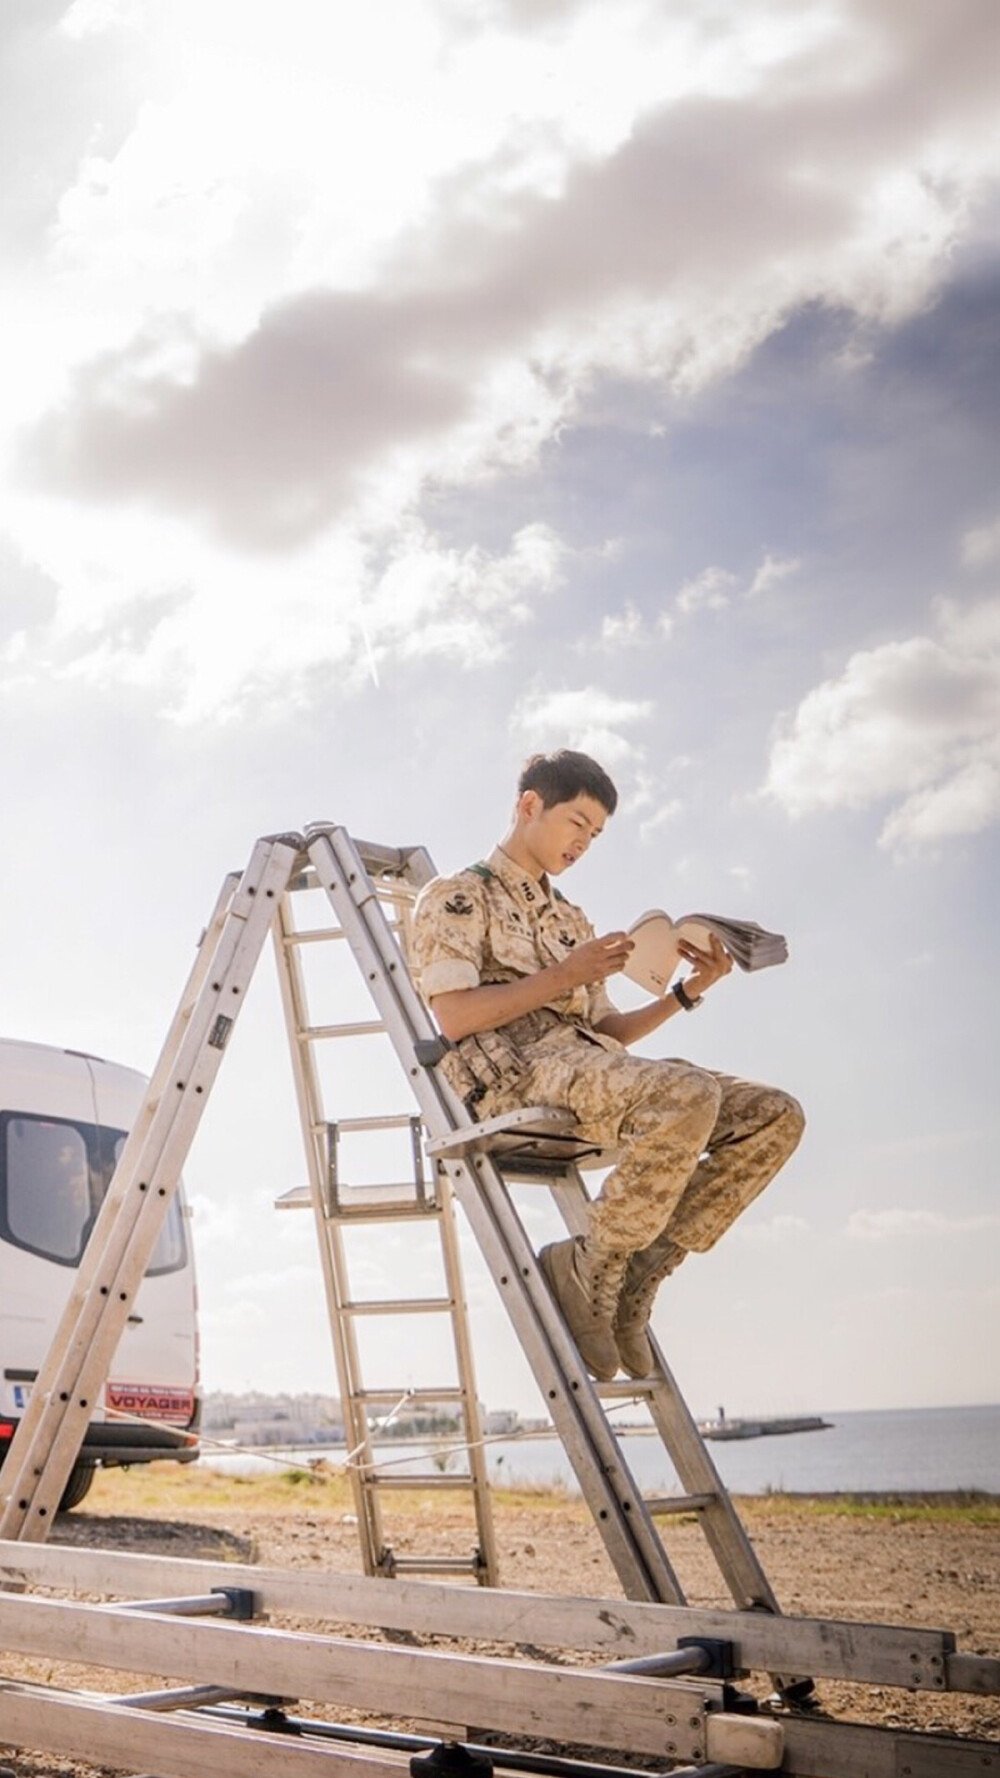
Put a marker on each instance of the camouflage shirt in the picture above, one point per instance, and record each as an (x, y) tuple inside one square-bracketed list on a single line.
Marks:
[(493, 923)]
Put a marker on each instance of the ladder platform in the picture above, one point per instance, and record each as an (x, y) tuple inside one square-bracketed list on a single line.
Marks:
[(529, 1133)]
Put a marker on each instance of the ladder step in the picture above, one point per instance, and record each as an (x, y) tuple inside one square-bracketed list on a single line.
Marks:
[(402, 1305), (347, 1126), (319, 936), (436, 1564), (412, 1398), (435, 1479), (360, 1028), (387, 1194), (661, 1505), (624, 1389), (367, 1203)]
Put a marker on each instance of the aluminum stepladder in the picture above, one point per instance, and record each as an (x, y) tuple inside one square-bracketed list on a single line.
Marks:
[(538, 1143), (342, 1208), (466, 1156)]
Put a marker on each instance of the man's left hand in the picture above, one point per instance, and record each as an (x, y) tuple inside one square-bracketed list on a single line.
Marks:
[(708, 967)]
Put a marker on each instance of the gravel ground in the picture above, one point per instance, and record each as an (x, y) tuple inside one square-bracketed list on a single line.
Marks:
[(877, 1569)]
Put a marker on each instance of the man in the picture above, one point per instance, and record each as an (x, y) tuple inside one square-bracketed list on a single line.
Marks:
[(515, 977)]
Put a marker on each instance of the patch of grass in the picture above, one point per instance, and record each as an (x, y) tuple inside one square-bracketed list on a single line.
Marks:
[(961, 1506), (172, 1489)]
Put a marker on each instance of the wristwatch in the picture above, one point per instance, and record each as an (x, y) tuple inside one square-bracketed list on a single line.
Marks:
[(684, 999)]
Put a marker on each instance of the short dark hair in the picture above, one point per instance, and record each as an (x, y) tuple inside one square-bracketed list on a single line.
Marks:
[(559, 777)]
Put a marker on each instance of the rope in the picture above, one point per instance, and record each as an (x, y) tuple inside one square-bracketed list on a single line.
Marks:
[(282, 1460)]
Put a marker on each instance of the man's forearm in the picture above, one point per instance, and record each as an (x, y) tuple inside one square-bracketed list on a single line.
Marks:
[(630, 1027), (464, 1011)]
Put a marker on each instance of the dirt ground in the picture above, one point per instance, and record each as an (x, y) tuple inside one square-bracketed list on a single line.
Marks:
[(905, 1565)]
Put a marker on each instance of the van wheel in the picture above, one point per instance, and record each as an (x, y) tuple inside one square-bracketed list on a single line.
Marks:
[(81, 1477)]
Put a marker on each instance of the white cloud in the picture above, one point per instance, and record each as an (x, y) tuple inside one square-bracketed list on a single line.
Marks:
[(623, 629), (772, 570), (234, 640), (885, 1225), (667, 811), (402, 264), (589, 719), (917, 720), (710, 590), (981, 546), (777, 1231)]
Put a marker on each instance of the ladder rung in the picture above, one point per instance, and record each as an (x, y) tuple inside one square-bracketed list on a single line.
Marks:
[(361, 1028), (314, 937), (414, 1211), (367, 1203), (663, 1504), (386, 1191), (402, 1305), (412, 1397), (437, 1479), (623, 1389), (436, 1564), (388, 1199), (347, 1126)]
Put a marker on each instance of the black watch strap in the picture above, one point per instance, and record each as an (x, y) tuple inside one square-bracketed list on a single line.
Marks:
[(683, 998)]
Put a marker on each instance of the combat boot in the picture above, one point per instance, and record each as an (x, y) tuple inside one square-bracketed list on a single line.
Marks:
[(585, 1283), (646, 1272)]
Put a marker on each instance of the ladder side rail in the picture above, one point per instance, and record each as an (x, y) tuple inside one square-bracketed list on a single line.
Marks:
[(720, 1522), (332, 1261), (489, 1570), (46, 1445), (204, 958), (724, 1531), (607, 1485)]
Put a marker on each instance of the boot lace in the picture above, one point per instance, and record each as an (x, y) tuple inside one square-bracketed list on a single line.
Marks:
[(605, 1285)]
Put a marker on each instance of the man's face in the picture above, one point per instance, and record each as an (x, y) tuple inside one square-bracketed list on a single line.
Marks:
[(558, 836)]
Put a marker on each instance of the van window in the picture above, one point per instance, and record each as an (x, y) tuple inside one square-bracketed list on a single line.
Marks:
[(53, 1178)]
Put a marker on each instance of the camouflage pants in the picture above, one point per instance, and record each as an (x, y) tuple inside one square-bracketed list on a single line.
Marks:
[(694, 1147)]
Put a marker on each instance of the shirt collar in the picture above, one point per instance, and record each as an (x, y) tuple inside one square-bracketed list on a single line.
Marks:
[(527, 889)]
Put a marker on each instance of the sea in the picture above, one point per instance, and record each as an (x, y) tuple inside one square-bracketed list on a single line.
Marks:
[(887, 1451)]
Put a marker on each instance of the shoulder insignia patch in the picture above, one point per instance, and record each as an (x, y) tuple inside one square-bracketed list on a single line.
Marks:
[(459, 904)]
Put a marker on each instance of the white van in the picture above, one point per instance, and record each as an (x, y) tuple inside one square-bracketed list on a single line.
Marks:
[(64, 1117)]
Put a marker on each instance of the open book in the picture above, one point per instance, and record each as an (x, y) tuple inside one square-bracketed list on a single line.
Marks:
[(656, 956)]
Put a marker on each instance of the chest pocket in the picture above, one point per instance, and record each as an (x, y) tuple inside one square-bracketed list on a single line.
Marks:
[(557, 935), (513, 941)]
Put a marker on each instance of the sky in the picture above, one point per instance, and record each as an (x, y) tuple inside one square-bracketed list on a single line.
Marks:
[(391, 392)]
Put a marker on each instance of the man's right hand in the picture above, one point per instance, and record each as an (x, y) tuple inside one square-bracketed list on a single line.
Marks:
[(595, 959)]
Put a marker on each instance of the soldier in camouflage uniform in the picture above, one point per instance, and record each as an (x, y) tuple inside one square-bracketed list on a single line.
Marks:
[(516, 979)]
